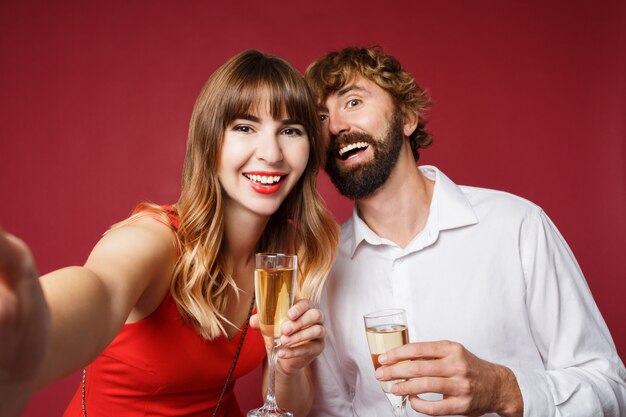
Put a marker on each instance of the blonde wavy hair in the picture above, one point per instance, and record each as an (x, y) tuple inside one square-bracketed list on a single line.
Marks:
[(338, 68), (302, 225)]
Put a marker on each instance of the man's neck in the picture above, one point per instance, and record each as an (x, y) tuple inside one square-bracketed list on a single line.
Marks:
[(398, 210)]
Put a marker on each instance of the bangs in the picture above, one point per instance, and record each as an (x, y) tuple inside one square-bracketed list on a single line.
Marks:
[(267, 85), (248, 83)]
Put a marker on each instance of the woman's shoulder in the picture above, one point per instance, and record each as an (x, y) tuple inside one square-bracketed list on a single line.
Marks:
[(165, 214), (146, 237)]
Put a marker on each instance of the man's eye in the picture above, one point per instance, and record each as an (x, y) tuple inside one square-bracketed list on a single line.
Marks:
[(353, 102), (323, 117)]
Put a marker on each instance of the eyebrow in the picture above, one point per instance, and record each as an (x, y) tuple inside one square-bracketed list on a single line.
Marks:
[(349, 88)]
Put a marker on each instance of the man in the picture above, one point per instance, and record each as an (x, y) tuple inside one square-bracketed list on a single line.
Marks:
[(500, 317)]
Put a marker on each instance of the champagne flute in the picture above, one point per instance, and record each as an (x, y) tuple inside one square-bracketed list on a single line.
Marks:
[(274, 287), (387, 329)]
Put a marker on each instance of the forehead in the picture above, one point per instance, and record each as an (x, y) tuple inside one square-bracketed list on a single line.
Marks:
[(359, 86)]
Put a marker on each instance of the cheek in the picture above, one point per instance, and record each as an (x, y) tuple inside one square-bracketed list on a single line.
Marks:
[(233, 153), (325, 136), (296, 155), (325, 132), (303, 156)]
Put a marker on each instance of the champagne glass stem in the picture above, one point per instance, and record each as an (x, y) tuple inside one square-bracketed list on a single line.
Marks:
[(272, 356), (400, 410), (398, 404)]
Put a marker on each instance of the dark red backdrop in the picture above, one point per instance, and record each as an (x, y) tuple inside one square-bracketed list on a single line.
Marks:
[(529, 97)]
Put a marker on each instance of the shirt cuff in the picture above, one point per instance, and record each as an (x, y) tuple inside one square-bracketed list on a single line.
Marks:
[(535, 392)]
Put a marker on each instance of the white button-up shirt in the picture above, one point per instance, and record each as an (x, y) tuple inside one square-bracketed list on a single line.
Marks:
[(490, 271)]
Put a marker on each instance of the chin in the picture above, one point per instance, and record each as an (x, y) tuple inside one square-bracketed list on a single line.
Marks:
[(265, 211)]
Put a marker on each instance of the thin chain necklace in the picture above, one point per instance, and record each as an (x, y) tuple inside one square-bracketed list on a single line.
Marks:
[(232, 367), (230, 372)]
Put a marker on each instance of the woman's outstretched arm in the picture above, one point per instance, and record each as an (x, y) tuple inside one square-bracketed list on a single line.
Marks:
[(87, 305), (24, 325)]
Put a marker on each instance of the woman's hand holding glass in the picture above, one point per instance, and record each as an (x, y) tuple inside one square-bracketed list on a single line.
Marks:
[(302, 338)]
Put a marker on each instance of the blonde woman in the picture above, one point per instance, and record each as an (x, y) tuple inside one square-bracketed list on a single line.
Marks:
[(157, 313)]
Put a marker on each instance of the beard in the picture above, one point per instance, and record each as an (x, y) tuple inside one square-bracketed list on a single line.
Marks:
[(364, 179)]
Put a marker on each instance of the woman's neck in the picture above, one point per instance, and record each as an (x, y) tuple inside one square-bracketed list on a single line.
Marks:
[(242, 232)]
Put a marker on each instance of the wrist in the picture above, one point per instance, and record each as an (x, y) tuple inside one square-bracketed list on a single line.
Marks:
[(294, 390), (511, 403), (287, 372)]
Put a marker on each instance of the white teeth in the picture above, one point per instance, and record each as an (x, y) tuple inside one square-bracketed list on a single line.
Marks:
[(264, 179), (352, 146)]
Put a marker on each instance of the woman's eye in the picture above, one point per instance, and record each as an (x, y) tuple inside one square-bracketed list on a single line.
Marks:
[(323, 117), (242, 128), (292, 131)]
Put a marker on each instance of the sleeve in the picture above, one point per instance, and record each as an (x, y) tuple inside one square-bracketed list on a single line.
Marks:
[(583, 374), (332, 395)]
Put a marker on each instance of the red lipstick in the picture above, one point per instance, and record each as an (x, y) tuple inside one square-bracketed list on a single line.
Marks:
[(271, 186)]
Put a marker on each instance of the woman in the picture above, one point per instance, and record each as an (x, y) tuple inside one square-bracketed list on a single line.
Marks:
[(161, 305)]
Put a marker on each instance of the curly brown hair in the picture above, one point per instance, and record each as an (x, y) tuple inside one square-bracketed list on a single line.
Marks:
[(338, 68)]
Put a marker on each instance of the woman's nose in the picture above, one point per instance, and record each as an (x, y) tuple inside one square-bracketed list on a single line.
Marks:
[(269, 149)]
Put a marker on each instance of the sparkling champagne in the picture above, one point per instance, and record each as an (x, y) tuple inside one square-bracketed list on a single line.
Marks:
[(382, 338), (275, 289)]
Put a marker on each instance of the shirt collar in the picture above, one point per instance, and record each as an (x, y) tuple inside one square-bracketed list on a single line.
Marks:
[(449, 209)]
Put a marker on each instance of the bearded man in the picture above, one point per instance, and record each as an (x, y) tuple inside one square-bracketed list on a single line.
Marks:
[(500, 317)]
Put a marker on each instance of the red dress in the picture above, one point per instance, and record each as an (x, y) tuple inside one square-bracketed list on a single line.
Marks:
[(159, 366)]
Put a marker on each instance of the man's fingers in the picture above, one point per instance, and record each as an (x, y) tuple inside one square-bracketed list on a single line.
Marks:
[(419, 350), (448, 387), (415, 369), (445, 407)]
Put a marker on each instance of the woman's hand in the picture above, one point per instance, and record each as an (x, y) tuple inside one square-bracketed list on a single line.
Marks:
[(302, 340), (24, 324), (303, 337)]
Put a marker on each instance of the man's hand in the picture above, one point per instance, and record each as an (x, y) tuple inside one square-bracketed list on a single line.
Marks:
[(24, 324), (470, 385)]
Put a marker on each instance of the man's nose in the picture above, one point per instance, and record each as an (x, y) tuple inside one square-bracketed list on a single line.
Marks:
[(337, 124)]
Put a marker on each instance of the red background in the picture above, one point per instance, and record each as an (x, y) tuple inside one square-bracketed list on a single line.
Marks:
[(529, 97)]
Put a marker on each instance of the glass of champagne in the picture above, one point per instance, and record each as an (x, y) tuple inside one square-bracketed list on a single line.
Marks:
[(387, 329), (274, 287)]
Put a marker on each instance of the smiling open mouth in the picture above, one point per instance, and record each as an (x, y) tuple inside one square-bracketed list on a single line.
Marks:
[(265, 179), (347, 151)]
